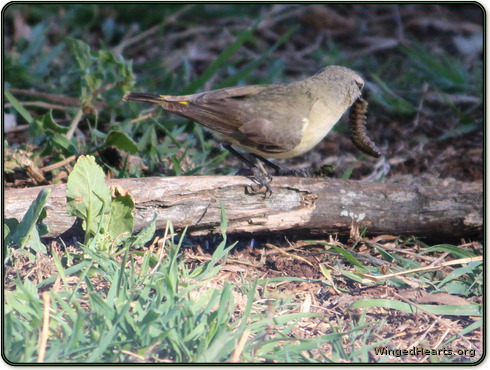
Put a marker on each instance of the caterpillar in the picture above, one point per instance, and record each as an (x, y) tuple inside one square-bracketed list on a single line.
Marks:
[(358, 134)]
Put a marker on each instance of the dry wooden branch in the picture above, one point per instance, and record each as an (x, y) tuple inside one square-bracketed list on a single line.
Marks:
[(305, 206)]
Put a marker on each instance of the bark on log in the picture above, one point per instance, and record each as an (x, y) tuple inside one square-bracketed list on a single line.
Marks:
[(305, 206)]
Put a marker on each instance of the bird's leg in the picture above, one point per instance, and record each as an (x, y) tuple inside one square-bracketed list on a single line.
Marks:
[(258, 174), (240, 156), (298, 172)]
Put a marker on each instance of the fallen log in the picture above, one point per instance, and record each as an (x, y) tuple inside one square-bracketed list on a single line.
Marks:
[(305, 206)]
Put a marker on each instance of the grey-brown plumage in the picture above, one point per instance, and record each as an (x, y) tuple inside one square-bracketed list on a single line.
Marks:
[(277, 121)]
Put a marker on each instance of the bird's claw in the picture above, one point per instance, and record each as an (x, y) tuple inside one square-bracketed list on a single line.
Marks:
[(262, 180)]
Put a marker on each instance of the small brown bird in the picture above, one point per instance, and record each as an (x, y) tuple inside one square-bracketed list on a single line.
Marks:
[(275, 121)]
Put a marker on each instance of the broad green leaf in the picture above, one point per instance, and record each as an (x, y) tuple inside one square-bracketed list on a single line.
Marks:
[(121, 141), (47, 122), (145, 235), (9, 228), (121, 218), (63, 143), (28, 223), (42, 228), (88, 196), (35, 242), (6, 234)]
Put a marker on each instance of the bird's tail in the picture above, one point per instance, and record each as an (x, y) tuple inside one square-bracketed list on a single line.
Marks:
[(144, 97)]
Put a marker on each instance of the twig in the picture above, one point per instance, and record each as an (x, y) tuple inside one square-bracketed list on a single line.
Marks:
[(162, 249), (110, 85), (229, 261), (143, 117), (17, 128), (43, 339), (40, 104), (435, 97), (58, 164), (35, 173), (288, 254), (67, 100), (138, 119), (135, 39), (235, 357), (132, 354), (74, 124), (378, 44), (61, 99), (439, 259), (424, 268)]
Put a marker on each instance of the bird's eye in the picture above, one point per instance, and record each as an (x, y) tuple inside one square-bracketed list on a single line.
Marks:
[(360, 84)]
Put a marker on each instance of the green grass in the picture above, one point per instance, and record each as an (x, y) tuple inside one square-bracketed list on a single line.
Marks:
[(131, 305)]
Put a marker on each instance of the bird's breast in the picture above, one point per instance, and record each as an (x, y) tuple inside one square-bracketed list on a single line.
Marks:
[(316, 126)]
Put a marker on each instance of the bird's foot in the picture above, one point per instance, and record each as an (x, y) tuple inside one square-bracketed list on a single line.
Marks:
[(262, 181)]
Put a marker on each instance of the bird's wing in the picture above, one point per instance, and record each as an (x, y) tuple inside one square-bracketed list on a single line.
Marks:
[(220, 94), (255, 116)]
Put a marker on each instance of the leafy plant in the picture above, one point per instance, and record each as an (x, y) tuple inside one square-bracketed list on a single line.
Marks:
[(29, 230), (99, 72), (104, 216)]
